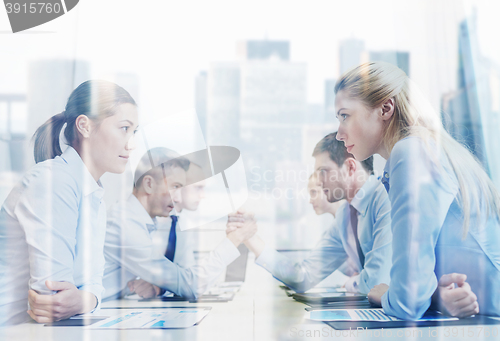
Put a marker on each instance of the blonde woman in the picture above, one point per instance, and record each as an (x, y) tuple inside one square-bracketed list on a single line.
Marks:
[(444, 208), (52, 224)]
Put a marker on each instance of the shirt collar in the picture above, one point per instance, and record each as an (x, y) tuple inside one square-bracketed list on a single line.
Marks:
[(81, 173), (140, 214), (363, 198)]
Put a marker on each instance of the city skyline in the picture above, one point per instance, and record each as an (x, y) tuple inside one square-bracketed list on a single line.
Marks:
[(471, 114), (316, 43)]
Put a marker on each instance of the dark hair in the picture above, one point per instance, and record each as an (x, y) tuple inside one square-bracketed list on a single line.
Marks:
[(338, 152), (155, 161), (96, 99)]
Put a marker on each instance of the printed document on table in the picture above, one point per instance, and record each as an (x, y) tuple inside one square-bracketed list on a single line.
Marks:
[(163, 318)]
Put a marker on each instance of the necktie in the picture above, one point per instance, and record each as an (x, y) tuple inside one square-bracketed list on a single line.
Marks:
[(385, 181), (172, 237), (354, 225)]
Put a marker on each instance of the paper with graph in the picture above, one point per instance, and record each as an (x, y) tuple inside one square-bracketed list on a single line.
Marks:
[(164, 318)]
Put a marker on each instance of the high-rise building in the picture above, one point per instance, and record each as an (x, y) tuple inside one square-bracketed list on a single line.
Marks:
[(399, 58), (11, 141), (50, 82), (273, 109), (223, 104), (330, 99), (351, 54), (258, 103), (273, 92), (472, 113), (315, 114), (263, 50)]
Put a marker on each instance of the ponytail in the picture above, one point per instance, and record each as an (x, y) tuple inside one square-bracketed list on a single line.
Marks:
[(46, 138), (96, 99)]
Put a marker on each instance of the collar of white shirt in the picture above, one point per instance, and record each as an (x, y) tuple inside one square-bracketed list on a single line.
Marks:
[(81, 173), (140, 214)]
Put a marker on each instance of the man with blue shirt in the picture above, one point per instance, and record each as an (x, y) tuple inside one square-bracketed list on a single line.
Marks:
[(362, 230), (129, 249), (320, 204)]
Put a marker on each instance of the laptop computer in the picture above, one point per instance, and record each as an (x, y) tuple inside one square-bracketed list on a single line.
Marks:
[(224, 291)]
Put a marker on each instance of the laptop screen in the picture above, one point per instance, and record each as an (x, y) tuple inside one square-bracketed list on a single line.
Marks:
[(236, 271)]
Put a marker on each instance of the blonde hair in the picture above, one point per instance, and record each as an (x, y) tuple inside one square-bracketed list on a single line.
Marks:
[(376, 82)]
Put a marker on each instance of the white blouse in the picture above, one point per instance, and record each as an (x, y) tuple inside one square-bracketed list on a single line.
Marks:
[(52, 227)]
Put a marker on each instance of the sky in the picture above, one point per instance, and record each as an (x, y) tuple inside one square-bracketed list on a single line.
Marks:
[(167, 43)]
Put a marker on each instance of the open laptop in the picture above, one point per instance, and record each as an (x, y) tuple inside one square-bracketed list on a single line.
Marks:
[(235, 276), (236, 271), (224, 291)]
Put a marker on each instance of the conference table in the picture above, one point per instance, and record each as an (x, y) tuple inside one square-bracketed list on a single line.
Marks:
[(259, 311)]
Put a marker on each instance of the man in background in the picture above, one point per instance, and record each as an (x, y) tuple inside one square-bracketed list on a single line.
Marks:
[(129, 249), (362, 229)]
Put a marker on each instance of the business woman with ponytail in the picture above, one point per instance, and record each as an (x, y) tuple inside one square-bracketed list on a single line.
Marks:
[(52, 224), (444, 208)]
